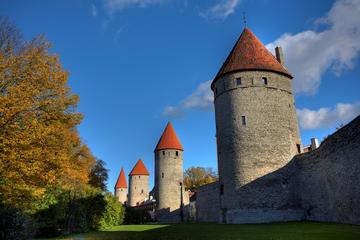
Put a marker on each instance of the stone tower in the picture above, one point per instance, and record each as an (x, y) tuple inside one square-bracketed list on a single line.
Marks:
[(256, 125), (169, 192), (121, 187), (138, 184)]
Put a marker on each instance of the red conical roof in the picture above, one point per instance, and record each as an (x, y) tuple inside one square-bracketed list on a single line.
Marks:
[(139, 169), (121, 181), (169, 140), (250, 54)]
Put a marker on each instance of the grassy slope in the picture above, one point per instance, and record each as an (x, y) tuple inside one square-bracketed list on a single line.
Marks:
[(275, 231)]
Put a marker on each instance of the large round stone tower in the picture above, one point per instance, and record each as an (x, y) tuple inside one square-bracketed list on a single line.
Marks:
[(121, 187), (138, 184), (169, 192), (256, 125)]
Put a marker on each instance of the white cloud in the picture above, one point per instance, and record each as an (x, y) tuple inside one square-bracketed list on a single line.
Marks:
[(94, 11), (113, 6), (327, 117), (222, 9), (310, 54), (201, 99)]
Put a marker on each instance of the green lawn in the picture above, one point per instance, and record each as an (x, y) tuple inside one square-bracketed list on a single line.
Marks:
[(274, 231)]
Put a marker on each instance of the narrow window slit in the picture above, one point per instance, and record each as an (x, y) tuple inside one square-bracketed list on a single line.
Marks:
[(243, 120), (265, 81)]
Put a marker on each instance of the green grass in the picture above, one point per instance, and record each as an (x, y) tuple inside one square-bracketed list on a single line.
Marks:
[(273, 231)]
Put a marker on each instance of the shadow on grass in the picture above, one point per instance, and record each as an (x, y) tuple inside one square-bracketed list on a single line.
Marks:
[(208, 231)]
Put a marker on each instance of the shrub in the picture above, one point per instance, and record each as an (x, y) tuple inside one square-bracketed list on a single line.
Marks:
[(136, 216), (70, 213), (113, 214), (14, 224), (80, 212)]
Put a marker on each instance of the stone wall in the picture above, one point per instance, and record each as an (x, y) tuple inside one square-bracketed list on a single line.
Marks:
[(191, 211), (329, 178), (207, 203), (138, 189), (121, 194), (266, 142), (168, 176), (321, 185)]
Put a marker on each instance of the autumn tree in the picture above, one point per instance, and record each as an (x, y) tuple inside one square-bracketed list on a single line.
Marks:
[(195, 177), (40, 147)]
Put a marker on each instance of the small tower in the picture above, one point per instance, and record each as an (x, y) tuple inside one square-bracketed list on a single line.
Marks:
[(256, 124), (138, 184), (121, 187), (169, 191)]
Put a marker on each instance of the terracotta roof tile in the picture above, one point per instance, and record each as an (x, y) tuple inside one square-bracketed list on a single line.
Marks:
[(139, 169), (250, 54), (121, 181), (169, 140)]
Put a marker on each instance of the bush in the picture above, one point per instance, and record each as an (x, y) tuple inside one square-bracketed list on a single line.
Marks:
[(82, 212), (72, 212), (136, 216), (113, 214), (14, 224), (49, 222)]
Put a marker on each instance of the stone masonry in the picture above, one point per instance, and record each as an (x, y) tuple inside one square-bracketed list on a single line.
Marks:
[(139, 189), (208, 203), (268, 139), (321, 185), (256, 124), (263, 176), (170, 193), (138, 184)]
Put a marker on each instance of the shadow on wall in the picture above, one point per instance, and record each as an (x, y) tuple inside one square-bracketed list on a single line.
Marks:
[(179, 215), (321, 185)]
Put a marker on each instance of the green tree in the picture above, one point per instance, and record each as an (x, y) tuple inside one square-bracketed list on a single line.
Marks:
[(99, 175)]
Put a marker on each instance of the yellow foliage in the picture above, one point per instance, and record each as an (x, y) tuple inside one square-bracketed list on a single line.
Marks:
[(39, 144), (198, 176)]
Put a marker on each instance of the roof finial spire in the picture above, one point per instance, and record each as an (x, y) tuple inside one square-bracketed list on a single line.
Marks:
[(244, 18)]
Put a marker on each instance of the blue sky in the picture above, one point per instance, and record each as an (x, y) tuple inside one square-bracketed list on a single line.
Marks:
[(138, 63)]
